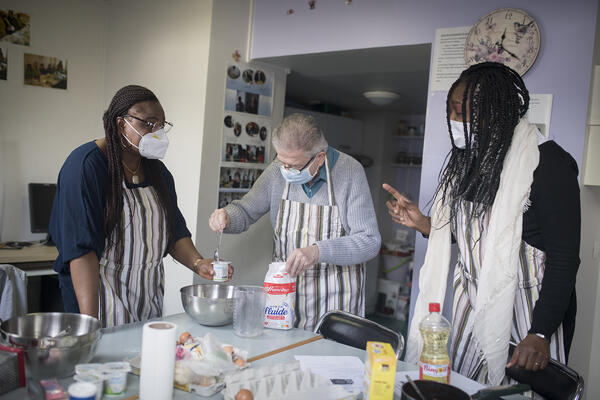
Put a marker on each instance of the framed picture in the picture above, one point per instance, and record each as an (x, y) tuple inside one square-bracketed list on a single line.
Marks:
[(15, 27), (248, 90), (3, 62), (45, 71)]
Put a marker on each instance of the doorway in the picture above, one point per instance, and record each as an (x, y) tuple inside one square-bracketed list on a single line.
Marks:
[(387, 139)]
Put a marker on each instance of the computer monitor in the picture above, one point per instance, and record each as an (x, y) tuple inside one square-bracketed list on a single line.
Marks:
[(41, 198)]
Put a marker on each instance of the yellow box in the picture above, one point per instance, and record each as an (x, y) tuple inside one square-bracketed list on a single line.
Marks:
[(380, 371)]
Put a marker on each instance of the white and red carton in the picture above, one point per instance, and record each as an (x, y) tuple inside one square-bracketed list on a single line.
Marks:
[(280, 290)]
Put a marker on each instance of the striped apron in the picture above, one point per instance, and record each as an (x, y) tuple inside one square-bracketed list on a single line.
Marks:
[(466, 356), (132, 279), (323, 287)]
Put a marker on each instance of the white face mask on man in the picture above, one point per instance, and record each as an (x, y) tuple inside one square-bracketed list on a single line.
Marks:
[(458, 133), (152, 145)]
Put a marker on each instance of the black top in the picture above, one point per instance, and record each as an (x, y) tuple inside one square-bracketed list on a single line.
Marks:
[(553, 224), (77, 221)]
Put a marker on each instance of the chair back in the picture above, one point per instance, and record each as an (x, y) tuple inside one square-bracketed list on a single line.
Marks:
[(355, 331), (13, 292), (555, 382)]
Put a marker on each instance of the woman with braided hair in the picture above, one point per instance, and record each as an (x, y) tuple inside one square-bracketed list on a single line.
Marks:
[(115, 216), (509, 198)]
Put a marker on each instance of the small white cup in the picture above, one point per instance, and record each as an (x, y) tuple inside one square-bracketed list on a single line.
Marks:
[(221, 269)]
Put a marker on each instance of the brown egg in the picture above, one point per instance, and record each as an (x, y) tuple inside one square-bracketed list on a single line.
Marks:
[(184, 337), (228, 349), (239, 362), (244, 394)]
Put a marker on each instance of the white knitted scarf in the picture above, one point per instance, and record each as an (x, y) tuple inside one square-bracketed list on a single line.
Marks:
[(498, 279)]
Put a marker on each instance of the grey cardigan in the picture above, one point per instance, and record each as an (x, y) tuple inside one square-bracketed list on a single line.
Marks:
[(352, 196)]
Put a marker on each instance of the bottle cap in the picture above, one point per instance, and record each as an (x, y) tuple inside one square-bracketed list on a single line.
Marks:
[(434, 307)]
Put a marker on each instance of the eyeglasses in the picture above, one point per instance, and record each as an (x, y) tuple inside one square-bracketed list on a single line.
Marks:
[(154, 126), (292, 169)]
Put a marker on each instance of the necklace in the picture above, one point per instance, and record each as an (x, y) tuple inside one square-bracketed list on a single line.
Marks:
[(134, 177)]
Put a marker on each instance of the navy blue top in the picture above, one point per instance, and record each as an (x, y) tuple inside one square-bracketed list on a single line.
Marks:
[(77, 221)]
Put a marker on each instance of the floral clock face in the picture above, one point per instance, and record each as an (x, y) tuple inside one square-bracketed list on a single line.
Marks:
[(508, 36)]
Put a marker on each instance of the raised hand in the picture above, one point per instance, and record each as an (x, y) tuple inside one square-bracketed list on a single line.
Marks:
[(405, 212)]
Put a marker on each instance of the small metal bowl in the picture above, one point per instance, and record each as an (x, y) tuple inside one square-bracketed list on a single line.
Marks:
[(208, 304), (53, 343)]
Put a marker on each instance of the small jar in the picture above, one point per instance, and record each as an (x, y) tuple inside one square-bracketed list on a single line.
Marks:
[(221, 269)]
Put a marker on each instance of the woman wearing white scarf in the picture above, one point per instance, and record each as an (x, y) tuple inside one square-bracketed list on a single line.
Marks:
[(496, 171)]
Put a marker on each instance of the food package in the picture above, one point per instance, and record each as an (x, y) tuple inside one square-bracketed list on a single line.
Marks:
[(280, 290), (201, 362), (380, 371)]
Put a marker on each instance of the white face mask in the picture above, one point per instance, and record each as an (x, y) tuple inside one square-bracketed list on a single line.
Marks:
[(458, 133), (152, 145)]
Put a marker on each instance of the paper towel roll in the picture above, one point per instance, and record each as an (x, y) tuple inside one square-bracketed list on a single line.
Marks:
[(158, 360)]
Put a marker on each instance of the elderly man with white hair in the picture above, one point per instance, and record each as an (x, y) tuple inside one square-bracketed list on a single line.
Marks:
[(323, 219)]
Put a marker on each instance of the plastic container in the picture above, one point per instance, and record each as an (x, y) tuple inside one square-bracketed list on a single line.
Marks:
[(115, 377), (283, 381), (434, 364), (82, 369), (221, 269), (248, 310), (95, 378), (82, 391)]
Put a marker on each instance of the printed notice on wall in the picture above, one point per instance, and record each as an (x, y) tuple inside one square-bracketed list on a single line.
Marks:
[(540, 112), (448, 57)]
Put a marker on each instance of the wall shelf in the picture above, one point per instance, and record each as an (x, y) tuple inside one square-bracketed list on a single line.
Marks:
[(396, 165), (233, 190), (406, 137)]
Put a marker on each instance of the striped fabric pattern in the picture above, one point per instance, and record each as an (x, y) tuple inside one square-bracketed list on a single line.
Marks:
[(323, 287), (132, 279), (465, 353)]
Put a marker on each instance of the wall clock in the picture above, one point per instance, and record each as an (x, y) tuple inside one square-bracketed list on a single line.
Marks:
[(508, 35)]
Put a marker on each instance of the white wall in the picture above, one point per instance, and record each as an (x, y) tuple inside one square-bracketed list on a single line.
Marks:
[(585, 352), (250, 252), (108, 44), (164, 46), (40, 126)]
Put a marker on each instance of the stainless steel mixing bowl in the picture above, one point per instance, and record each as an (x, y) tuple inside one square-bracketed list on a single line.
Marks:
[(208, 304), (53, 343)]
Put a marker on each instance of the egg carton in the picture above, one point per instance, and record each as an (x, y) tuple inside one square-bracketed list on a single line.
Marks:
[(287, 380)]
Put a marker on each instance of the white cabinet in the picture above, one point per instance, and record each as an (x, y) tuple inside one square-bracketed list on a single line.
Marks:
[(591, 170)]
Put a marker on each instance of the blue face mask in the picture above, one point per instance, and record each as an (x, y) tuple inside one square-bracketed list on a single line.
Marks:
[(297, 177)]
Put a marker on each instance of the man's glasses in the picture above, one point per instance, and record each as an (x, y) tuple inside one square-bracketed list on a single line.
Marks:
[(292, 169), (154, 126)]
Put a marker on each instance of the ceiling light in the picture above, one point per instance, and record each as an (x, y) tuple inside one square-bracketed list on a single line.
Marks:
[(381, 97)]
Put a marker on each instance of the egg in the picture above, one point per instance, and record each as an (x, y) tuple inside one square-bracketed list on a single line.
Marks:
[(184, 337), (239, 362), (244, 394)]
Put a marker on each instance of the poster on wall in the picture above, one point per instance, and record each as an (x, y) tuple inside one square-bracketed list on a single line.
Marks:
[(238, 178), (15, 27), (45, 71), (227, 197), (248, 90), (245, 138), (540, 112), (448, 57), (3, 62), (243, 153)]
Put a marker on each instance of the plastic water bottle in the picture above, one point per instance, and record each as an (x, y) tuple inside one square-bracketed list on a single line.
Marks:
[(434, 364)]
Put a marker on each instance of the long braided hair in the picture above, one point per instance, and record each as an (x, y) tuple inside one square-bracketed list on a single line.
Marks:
[(495, 98), (126, 98)]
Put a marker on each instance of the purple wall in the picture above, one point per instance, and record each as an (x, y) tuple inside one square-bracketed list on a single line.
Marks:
[(563, 67)]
